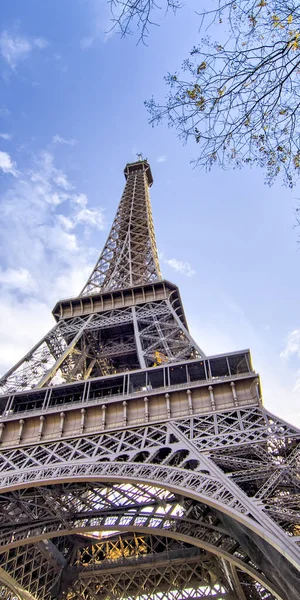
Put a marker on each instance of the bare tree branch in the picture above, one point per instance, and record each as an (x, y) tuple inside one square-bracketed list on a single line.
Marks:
[(238, 99), (128, 15)]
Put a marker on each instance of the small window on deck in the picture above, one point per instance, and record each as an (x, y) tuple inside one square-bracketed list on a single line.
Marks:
[(178, 374), (67, 395), (238, 364), (219, 367), (196, 371), (156, 378), (106, 387)]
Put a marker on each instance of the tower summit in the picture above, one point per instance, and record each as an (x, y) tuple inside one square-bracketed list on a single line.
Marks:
[(129, 256), (131, 464)]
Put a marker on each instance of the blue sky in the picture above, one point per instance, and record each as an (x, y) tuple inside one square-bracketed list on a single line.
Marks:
[(71, 116)]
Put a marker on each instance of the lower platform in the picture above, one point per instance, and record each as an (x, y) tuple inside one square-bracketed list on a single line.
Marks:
[(128, 399)]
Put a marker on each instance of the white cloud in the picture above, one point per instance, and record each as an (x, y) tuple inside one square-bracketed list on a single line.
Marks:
[(58, 139), (161, 159), (66, 222), (296, 387), (181, 267), (6, 164), (42, 211), (47, 178), (91, 217), (61, 180), (292, 346), (40, 43), (100, 33), (15, 48), (22, 324), (292, 350), (17, 279), (101, 24), (80, 199), (4, 112), (6, 136), (87, 42), (46, 257)]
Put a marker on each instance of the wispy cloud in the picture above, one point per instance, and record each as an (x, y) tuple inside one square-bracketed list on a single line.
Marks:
[(100, 33), (292, 350), (184, 268), (87, 42), (40, 43), (90, 217), (82, 215), (17, 279), (47, 256), (4, 112), (43, 211), (6, 136), (101, 24), (296, 387), (6, 164), (58, 139), (162, 158), (292, 346), (15, 48)]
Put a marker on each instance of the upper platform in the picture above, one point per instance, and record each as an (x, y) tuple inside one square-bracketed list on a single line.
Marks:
[(139, 165), (123, 298)]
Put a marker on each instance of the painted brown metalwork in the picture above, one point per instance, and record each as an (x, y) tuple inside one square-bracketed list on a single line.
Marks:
[(132, 466)]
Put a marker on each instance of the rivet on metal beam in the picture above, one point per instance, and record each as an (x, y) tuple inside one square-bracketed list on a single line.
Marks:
[(62, 420), (190, 401), (146, 400), (103, 416), (167, 397), (21, 423), (41, 427), (212, 398), (234, 395), (124, 412), (83, 411)]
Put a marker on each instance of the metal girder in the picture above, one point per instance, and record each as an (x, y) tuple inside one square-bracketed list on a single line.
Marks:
[(180, 507), (116, 507), (87, 347), (162, 564), (154, 450), (130, 255), (162, 445)]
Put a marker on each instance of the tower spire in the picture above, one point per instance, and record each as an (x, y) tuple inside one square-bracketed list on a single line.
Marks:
[(129, 257)]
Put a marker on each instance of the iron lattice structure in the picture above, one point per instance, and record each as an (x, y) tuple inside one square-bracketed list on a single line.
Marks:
[(133, 466)]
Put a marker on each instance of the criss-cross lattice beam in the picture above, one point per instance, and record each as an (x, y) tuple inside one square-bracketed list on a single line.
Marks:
[(203, 504), (86, 347), (129, 256), (131, 566), (124, 507)]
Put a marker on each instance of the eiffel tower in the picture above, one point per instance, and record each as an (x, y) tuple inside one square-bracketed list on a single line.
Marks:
[(132, 465)]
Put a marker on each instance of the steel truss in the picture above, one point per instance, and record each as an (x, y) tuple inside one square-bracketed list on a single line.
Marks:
[(87, 347), (197, 503), (93, 507), (174, 457), (130, 255)]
